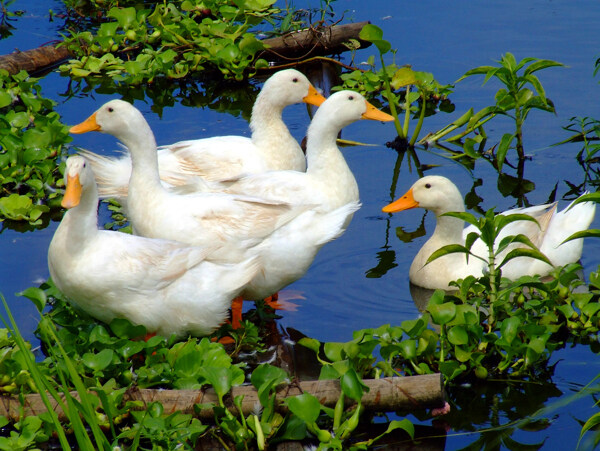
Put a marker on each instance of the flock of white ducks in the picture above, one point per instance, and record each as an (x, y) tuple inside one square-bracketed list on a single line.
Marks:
[(232, 216)]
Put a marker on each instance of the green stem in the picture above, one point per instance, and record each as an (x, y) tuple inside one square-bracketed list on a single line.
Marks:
[(406, 111), (420, 122), (470, 129), (519, 122), (388, 90), (493, 284), (442, 339)]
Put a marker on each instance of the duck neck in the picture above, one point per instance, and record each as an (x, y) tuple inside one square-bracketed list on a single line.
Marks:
[(144, 158), (81, 222), (325, 162), (273, 140), (448, 230)]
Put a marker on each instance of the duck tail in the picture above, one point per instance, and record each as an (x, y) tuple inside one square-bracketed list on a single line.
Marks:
[(112, 174), (335, 223)]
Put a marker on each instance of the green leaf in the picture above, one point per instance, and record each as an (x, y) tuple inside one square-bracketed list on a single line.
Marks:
[(503, 147), (310, 343), (99, 361), (122, 328), (510, 328), (219, 378), (404, 424), (523, 252), (408, 348), (265, 378), (442, 313), (294, 428), (541, 64), (124, 16), (374, 34), (591, 233), (305, 407), (351, 385), (403, 77), (457, 335), (448, 249), (36, 295), (333, 351), (5, 99)]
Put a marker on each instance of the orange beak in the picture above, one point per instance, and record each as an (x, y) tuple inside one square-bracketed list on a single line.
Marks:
[(406, 202), (313, 97), (375, 114), (89, 125), (72, 193)]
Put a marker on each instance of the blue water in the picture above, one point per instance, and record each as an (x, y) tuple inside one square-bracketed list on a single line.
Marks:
[(447, 39)]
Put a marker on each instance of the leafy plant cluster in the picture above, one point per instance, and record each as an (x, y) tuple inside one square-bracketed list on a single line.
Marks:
[(522, 93), (31, 140), (466, 336), (138, 44), (101, 362)]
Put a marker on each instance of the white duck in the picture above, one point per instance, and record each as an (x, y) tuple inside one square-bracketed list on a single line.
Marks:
[(242, 226), (328, 182), (166, 286), (440, 195), (271, 147), (236, 223)]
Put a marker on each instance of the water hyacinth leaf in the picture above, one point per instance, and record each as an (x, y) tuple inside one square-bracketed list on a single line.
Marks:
[(99, 361), (408, 348), (591, 309), (219, 378), (328, 372), (266, 377), (333, 351), (374, 34), (462, 355), (122, 328), (254, 5), (35, 295), (457, 335), (188, 365), (125, 16), (404, 424), (100, 334), (403, 77), (304, 406), (351, 385), (510, 328), (131, 348), (294, 428), (351, 349), (310, 343), (452, 369), (442, 313)]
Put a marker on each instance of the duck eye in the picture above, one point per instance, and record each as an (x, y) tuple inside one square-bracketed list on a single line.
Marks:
[(427, 185), (295, 80), (110, 109), (350, 97)]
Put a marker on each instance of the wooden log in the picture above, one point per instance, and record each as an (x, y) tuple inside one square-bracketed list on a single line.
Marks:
[(317, 41), (33, 60), (313, 42), (385, 395)]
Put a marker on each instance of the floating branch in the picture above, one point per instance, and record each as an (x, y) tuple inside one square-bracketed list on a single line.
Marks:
[(385, 394), (300, 44), (313, 42)]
